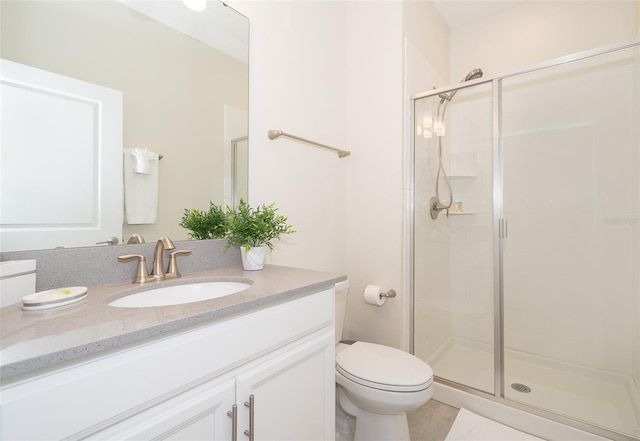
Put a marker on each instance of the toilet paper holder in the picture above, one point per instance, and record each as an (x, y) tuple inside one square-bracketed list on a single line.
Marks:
[(389, 294), (373, 295)]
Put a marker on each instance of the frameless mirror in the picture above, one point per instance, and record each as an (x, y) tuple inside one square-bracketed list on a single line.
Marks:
[(183, 80)]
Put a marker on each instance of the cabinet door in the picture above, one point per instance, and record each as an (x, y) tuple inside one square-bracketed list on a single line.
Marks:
[(194, 415), (293, 393)]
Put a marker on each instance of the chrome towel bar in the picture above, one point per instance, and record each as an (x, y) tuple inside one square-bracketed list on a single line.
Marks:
[(274, 134)]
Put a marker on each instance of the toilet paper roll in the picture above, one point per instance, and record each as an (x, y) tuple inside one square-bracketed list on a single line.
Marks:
[(372, 295)]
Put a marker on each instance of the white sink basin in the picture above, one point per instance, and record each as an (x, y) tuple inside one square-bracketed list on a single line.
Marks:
[(180, 294)]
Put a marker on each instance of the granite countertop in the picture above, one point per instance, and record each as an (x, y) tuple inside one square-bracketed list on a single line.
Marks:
[(30, 340)]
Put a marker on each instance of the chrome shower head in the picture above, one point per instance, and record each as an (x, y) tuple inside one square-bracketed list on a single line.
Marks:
[(472, 75)]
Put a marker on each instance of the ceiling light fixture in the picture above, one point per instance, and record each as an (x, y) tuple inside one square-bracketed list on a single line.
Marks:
[(195, 5)]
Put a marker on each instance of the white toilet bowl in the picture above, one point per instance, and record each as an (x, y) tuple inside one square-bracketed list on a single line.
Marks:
[(378, 384)]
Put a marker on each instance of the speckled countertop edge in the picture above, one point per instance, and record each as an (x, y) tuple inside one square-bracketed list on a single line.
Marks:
[(30, 340)]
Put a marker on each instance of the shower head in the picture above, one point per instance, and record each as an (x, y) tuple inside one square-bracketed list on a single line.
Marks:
[(474, 74)]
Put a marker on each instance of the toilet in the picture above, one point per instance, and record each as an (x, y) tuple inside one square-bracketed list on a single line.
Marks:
[(376, 385)]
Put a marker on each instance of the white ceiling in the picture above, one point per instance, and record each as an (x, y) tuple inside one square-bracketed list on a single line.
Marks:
[(458, 13)]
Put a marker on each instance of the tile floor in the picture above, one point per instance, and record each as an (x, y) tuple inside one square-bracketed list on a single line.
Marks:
[(432, 421)]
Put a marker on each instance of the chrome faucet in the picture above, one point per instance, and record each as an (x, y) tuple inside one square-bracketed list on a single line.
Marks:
[(164, 243)]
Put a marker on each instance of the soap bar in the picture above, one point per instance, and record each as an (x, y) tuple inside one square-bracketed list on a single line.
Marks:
[(54, 298)]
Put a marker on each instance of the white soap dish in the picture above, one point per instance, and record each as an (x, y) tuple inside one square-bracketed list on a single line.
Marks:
[(54, 298)]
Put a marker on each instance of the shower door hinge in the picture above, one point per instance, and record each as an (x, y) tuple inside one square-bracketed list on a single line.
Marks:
[(502, 228)]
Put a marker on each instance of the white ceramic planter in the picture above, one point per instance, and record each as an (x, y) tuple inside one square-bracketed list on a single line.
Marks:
[(253, 260)]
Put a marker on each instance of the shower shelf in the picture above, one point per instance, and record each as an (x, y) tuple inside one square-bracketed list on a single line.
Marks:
[(460, 179)]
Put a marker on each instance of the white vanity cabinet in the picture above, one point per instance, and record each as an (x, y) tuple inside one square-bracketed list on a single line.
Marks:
[(199, 414), (184, 386), (290, 401)]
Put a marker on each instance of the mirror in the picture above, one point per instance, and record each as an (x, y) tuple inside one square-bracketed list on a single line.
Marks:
[(183, 76)]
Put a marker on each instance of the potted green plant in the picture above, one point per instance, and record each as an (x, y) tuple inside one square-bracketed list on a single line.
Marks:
[(209, 224), (253, 230)]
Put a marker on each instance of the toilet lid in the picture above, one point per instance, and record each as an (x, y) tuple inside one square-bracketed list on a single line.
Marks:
[(383, 367)]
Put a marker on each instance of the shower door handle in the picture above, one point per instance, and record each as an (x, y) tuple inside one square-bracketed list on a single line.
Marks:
[(502, 228)]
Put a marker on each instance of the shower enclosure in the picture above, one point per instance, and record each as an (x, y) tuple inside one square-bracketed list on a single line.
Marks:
[(527, 287)]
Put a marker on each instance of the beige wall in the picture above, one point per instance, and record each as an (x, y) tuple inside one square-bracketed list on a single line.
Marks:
[(374, 193), (537, 31), (385, 69), (174, 89), (428, 34), (297, 82), (333, 72)]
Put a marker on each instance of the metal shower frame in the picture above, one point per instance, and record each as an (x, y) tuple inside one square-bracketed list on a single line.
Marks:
[(499, 231)]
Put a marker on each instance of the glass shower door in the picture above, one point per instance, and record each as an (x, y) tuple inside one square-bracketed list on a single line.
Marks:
[(453, 253), (571, 168)]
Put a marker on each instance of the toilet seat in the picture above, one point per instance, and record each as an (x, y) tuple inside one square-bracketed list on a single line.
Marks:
[(383, 367)]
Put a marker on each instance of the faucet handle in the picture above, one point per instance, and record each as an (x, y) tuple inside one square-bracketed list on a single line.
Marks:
[(172, 269), (141, 274)]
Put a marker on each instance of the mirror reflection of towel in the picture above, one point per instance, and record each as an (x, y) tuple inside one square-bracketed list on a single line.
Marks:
[(143, 160), (140, 186)]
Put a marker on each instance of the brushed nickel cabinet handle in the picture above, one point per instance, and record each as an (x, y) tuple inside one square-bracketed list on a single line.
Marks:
[(233, 414), (251, 405)]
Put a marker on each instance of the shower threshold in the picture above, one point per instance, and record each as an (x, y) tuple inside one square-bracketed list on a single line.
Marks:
[(596, 397)]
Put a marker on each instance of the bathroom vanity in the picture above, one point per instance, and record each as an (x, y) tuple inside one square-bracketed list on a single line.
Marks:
[(258, 364)]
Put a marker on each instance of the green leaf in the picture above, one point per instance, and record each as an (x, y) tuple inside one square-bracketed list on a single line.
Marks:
[(253, 227), (245, 226), (211, 224)]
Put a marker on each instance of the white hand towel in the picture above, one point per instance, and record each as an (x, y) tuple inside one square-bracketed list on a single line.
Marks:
[(140, 186), (144, 160)]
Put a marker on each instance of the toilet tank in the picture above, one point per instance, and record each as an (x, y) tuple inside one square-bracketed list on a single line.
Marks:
[(342, 289), (17, 279)]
